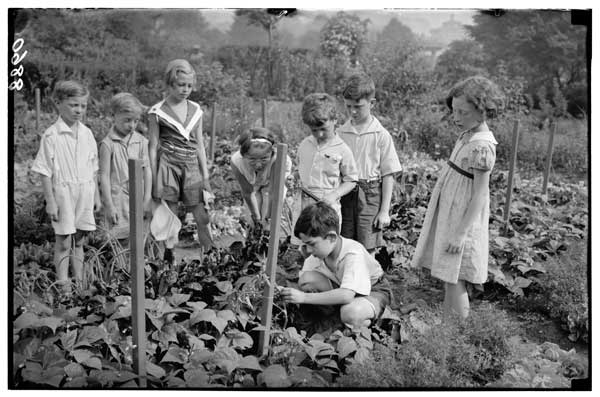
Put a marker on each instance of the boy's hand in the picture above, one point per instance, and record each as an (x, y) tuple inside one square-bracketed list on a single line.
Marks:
[(290, 181), (52, 210), (113, 216), (382, 220), (292, 295), (331, 198)]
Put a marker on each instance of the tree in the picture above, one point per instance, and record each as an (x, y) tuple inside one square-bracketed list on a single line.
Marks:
[(267, 19), (540, 45), (395, 33), (462, 59), (344, 35)]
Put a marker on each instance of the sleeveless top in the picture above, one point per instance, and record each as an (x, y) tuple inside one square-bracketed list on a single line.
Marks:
[(172, 132)]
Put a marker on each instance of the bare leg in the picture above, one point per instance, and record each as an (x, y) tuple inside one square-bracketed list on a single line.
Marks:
[(77, 259), (62, 250), (357, 314), (456, 300), (201, 217)]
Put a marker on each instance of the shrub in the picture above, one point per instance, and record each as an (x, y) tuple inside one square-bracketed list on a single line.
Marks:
[(467, 353), (562, 293)]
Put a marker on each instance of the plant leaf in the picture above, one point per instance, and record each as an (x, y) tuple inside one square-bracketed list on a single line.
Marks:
[(178, 299), (226, 315), (275, 376), (93, 362), (249, 362), (202, 315), (197, 306), (240, 340), (74, 370), (175, 355), (155, 370), (26, 320), (346, 346), (196, 378), (50, 322)]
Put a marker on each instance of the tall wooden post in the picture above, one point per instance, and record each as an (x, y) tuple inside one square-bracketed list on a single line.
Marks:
[(136, 241), (37, 108), (511, 172), (264, 113), (276, 208), (549, 157), (213, 129)]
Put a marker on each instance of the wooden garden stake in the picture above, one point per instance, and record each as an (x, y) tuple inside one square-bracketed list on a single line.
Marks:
[(511, 172), (276, 208), (264, 113), (213, 129), (549, 158), (37, 109), (136, 241)]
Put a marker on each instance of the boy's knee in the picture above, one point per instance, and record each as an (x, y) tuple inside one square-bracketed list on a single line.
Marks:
[(63, 242), (352, 314), (311, 281)]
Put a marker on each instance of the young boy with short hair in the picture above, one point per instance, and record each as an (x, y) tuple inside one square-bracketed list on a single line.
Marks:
[(339, 271), (68, 162), (365, 210), (326, 166), (122, 143)]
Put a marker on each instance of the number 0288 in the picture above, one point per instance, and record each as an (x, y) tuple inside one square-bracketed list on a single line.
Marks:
[(16, 59)]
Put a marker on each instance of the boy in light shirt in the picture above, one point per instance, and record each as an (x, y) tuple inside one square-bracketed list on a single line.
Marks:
[(365, 210), (326, 165), (339, 271), (68, 162)]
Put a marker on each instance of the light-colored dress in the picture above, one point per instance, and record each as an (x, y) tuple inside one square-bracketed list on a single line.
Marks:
[(447, 207)]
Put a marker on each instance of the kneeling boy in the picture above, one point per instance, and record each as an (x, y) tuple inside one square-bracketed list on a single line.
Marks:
[(339, 271)]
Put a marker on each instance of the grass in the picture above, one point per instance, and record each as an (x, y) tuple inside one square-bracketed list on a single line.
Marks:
[(457, 354)]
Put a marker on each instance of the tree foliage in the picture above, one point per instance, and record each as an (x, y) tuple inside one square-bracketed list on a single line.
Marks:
[(540, 45), (462, 59), (344, 35)]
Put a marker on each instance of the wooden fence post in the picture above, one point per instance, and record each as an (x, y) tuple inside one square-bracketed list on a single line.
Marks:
[(136, 241), (276, 208), (264, 113), (511, 172), (549, 157), (213, 129), (37, 109)]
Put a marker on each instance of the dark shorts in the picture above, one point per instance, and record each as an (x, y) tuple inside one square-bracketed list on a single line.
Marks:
[(359, 209), (381, 295), (178, 179)]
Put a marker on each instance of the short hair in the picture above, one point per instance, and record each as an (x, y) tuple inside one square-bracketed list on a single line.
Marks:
[(318, 108), (317, 220), (247, 137), (177, 66), (359, 86), (484, 94), (67, 89), (124, 102)]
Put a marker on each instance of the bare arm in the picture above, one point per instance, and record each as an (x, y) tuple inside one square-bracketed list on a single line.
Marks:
[(51, 207), (147, 188), (202, 156), (387, 187), (342, 190), (338, 296), (479, 193), (153, 148), (247, 193), (105, 178)]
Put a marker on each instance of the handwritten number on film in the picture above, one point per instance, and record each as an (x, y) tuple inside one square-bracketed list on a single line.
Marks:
[(16, 59)]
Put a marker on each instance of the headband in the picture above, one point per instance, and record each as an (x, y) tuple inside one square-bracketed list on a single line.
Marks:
[(262, 140)]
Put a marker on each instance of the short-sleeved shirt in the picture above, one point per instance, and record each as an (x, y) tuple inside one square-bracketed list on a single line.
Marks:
[(176, 132), (373, 150), (355, 269), (323, 168), (67, 155), (121, 149)]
